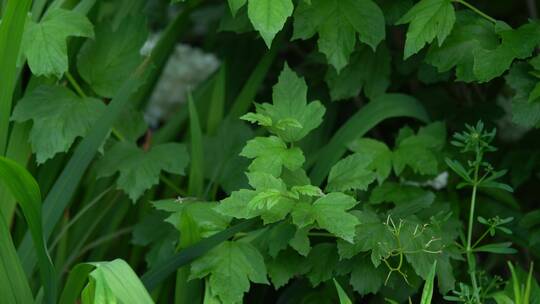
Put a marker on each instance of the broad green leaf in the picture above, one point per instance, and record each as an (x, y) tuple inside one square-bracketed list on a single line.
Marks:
[(113, 55), (235, 5), (269, 16), (338, 22), (115, 281), (300, 241), (383, 107), (524, 113), (330, 213), (365, 278), (427, 292), (230, 268), (515, 44), (270, 154), (44, 44), (287, 265), (380, 154), (428, 19), (367, 70), (351, 173), (322, 260), (138, 169), (469, 34), (59, 117), (291, 116), (421, 152), (236, 205)]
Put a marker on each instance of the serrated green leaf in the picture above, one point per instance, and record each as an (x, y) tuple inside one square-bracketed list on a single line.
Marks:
[(428, 19), (330, 213), (291, 116), (138, 169), (524, 113), (322, 260), (113, 55), (286, 266), (44, 44), (351, 173), (365, 278), (338, 22), (271, 155), (515, 44), (59, 117), (379, 153), (230, 268), (269, 16), (367, 70), (469, 34)]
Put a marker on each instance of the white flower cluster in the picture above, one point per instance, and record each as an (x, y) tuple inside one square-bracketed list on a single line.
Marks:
[(186, 68)]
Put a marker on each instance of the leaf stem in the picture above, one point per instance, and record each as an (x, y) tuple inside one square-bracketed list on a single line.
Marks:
[(470, 257), (75, 85), (477, 11)]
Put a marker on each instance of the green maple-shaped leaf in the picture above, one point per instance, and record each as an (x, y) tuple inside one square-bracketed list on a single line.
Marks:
[(322, 261), (104, 63), (365, 278), (330, 213), (286, 266), (338, 22), (524, 112), (367, 70), (351, 173), (139, 170), (290, 115), (379, 153), (269, 16), (236, 204), (469, 34), (59, 117), (230, 268), (515, 44), (428, 19), (420, 151), (271, 154), (44, 44)]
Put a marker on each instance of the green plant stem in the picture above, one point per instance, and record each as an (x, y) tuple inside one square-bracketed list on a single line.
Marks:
[(470, 257), (474, 9), (75, 85), (480, 239)]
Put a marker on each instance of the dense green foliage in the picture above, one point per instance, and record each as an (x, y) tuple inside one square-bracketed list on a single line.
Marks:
[(269, 151)]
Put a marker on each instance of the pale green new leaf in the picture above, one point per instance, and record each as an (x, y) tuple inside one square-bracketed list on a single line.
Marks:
[(428, 19), (59, 117), (292, 118), (105, 62), (139, 170), (270, 154), (230, 268), (338, 22), (351, 173), (269, 16), (44, 44)]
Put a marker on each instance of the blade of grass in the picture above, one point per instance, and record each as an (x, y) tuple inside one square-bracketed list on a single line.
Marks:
[(343, 298), (61, 193), (160, 272), (217, 103), (11, 32), (196, 172), (14, 287), (25, 190), (427, 292), (383, 107)]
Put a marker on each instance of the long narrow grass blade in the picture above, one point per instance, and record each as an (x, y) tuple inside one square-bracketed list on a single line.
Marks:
[(75, 282), (11, 31), (196, 172), (343, 298), (61, 193), (13, 285), (383, 107), (160, 272), (217, 103), (25, 190), (427, 292)]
